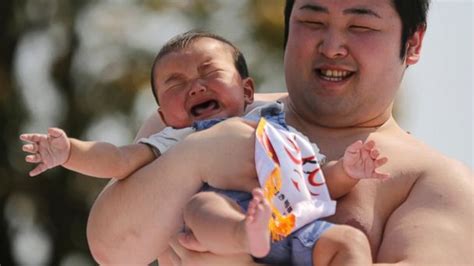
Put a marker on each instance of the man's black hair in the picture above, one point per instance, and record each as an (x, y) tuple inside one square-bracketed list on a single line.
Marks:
[(413, 14), (183, 41)]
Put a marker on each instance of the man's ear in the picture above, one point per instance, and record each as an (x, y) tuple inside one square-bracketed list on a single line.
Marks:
[(414, 44), (249, 90), (160, 113)]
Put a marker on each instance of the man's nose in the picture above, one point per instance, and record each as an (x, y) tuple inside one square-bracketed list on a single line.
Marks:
[(333, 45), (196, 88)]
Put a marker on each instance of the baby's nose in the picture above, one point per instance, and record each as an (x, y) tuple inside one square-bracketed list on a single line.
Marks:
[(196, 88)]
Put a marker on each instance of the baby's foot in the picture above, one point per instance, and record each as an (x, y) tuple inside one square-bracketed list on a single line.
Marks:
[(256, 224)]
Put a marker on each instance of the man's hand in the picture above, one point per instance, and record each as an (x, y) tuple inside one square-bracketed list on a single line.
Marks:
[(186, 250), (47, 150), (361, 160)]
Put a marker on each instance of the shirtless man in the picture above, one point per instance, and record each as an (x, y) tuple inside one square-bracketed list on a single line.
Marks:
[(344, 62)]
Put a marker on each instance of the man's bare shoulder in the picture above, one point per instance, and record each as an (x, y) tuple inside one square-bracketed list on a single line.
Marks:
[(409, 154), (152, 125), (269, 97), (437, 211), (431, 163)]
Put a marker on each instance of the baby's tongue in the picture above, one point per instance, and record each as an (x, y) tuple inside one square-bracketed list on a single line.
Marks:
[(204, 108)]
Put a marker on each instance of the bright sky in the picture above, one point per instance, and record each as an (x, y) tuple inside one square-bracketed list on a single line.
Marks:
[(438, 92)]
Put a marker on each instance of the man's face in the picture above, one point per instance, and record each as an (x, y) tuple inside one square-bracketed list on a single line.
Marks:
[(342, 63), (200, 82)]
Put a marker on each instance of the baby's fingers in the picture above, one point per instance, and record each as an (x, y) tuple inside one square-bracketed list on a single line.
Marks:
[(35, 158), (38, 169), (31, 148), (55, 132), (33, 137)]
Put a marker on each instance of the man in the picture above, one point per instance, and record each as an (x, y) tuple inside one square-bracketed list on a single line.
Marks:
[(344, 62)]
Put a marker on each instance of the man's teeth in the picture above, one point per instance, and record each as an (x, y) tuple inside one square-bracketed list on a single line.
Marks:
[(334, 75)]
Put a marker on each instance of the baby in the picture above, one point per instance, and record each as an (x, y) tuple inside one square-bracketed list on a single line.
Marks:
[(199, 79)]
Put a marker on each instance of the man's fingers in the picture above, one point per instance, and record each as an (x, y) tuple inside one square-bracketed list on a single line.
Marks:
[(382, 176), (189, 241), (251, 123), (355, 147), (31, 148), (35, 158), (174, 258), (369, 145), (374, 153), (176, 247), (238, 120), (169, 257), (38, 169)]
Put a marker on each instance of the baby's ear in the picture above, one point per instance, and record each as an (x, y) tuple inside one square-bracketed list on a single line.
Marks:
[(249, 90), (162, 117)]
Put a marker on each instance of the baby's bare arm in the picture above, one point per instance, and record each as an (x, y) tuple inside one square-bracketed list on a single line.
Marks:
[(99, 159), (360, 161), (105, 160)]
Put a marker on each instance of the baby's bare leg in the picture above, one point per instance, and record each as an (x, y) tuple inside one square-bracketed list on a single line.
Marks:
[(219, 225), (342, 245), (256, 224), (216, 221)]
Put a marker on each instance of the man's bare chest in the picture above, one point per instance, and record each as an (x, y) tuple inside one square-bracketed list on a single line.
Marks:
[(367, 208)]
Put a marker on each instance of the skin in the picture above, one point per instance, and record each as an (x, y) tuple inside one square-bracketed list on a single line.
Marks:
[(419, 199), (361, 107), (204, 71), (424, 213)]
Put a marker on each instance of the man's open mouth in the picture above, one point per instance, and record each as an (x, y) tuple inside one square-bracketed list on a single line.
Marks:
[(204, 108), (333, 74)]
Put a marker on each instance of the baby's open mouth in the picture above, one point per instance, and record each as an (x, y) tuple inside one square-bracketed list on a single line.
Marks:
[(205, 107)]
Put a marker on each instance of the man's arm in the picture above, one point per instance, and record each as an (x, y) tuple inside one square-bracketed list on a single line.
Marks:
[(434, 223), (182, 253), (133, 219), (151, 125), (124, 202)]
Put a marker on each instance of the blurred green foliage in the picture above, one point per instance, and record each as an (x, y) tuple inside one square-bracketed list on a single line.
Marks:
[(57, 202)]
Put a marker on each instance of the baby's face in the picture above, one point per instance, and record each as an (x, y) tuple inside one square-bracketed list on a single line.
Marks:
[(200, 82)]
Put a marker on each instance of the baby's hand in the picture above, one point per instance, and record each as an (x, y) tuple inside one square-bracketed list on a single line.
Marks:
[(361, 160), (47, 151)]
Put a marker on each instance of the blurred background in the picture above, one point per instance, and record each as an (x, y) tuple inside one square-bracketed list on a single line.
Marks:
[(84, 66)]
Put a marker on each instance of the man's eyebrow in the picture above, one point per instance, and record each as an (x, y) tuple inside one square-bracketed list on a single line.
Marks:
[(362, 11), (314, 7), (354, 10)]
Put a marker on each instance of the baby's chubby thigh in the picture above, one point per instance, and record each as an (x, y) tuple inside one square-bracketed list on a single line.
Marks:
[(225, 154)]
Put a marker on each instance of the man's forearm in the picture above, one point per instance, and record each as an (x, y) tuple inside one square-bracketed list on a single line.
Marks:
[(133, 219), (112, 223)]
